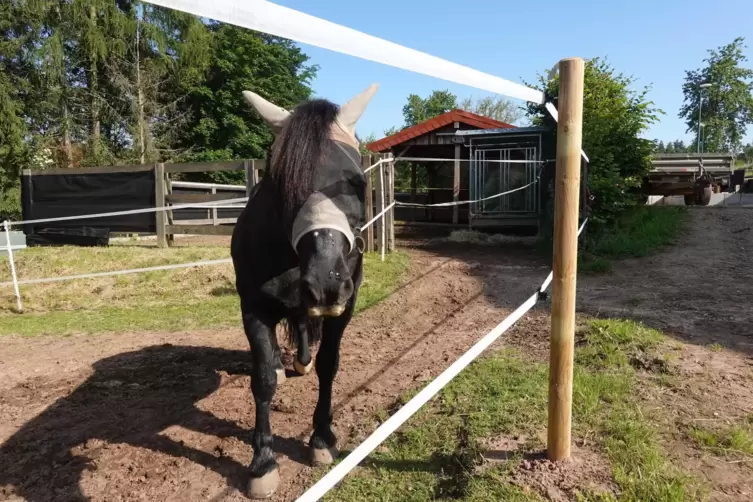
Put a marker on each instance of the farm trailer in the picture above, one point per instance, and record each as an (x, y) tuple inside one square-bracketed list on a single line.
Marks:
[(694, 176)]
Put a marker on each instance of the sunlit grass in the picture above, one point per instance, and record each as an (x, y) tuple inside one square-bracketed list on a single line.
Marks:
[(189, 298)]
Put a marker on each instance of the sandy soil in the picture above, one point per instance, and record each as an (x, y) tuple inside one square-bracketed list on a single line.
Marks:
[(699, 290), (167, 416)]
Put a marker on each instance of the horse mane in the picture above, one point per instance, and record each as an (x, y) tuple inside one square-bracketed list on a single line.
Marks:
[(297, 151)]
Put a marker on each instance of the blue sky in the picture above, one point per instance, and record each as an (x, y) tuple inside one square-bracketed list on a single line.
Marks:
[(654, 41)]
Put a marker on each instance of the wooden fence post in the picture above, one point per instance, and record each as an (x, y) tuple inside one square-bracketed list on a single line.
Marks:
[(160, 217), (366, 163), (248, 167), (379, 223), (214, 209), (159, 202), (169, 214), (566, 198), (390, 216), (256, 166), (456, 186)]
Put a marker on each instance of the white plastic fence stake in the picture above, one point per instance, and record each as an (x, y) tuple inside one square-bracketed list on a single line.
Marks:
[(19, 305)]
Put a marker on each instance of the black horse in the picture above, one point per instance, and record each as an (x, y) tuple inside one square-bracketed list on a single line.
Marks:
[(298, 259)]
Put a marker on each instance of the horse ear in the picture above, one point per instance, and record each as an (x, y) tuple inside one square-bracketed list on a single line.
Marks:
[(351, 111), (271, 113)]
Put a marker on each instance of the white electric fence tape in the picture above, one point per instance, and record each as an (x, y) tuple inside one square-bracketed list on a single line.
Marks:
[(267, 17), (379, 163), (555, 115), (122, 272), (480, 161), (461, 202), (176, 207), (372, 220), (15, 282)]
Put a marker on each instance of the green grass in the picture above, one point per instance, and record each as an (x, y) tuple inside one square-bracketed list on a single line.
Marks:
[(716, 347), (191, 298), (437, 454), (734, 440), (641, 232)]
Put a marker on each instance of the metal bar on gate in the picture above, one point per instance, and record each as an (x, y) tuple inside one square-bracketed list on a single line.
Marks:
[(366, 163), (384, 229), (19, 305)]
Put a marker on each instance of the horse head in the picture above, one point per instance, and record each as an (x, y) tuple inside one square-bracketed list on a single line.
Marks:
[(315, 166)]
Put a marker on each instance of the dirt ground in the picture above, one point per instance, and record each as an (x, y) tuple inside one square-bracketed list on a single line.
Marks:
[(699, 290), (167, 416)]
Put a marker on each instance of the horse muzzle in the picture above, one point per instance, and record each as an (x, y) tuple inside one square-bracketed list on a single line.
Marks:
[(331, 311)]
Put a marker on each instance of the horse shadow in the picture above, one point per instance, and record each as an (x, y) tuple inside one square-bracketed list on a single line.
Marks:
[(129, 399)]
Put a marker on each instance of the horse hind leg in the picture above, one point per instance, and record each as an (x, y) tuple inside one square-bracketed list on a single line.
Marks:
[(265, 475)]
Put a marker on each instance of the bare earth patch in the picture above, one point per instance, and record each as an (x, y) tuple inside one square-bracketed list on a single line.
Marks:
[(698, 290), (587, 469), (168, 415)]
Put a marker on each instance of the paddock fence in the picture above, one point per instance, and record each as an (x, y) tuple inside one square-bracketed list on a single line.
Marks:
[(59, 205), (80, 192), (277, 20)]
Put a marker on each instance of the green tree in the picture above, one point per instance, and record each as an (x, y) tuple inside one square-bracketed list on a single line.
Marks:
[(746, 157), (494, 107), (660, 148), (123, 81), (167, 56), (222, 125), (615, 116), (726, 105), (419, 109)]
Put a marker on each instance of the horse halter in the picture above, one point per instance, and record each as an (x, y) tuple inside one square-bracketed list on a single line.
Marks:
[(322, 212)]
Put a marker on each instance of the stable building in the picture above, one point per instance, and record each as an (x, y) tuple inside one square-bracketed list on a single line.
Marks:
[(476, 158)]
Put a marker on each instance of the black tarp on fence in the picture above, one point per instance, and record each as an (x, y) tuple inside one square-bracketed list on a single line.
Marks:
[(55, 194)]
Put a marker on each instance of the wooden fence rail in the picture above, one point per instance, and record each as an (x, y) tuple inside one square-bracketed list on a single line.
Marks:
[(213, 225), (216, 220), (167, 226)]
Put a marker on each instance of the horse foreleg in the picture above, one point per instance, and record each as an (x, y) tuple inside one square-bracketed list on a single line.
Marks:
[(323, 442), (265, 476)]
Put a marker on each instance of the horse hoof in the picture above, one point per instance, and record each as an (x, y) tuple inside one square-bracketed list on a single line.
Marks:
[(301, 369), (265, 486), (281, 377), (323, 456)]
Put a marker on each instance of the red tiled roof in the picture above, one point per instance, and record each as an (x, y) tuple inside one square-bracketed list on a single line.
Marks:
[(468, 118)]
